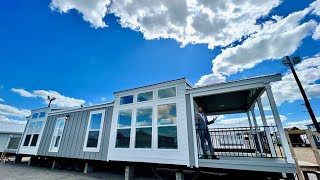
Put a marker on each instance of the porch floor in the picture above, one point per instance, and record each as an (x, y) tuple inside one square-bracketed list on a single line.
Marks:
[(250, 164)]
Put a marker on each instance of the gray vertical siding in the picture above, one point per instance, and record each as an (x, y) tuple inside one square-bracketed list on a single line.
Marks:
[(73, 137), (190, 125)]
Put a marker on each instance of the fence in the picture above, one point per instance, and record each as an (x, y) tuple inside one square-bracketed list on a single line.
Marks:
[(260, 141)]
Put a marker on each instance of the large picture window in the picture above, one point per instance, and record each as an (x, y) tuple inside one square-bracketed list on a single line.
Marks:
[(124, 128), (167, 126), (57, 134), (144, 128), (94, 131)]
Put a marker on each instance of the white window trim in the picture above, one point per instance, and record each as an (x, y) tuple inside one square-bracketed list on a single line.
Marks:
[(35, 121), (94, 149), (56, 149)]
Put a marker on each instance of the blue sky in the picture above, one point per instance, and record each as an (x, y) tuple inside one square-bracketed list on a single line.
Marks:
[(61, 48)]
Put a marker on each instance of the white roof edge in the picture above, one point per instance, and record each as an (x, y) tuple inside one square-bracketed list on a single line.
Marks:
[(180, 80), (264, 79), (80, 109)]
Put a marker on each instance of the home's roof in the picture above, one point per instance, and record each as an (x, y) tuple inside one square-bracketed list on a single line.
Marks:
[(180, 79), (96, 106), (238, 80), (9, 127)]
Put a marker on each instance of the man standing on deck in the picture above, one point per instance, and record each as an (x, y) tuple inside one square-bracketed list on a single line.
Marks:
[(202, 126)]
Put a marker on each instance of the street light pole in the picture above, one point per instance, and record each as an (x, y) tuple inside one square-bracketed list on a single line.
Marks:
[(306, 101)]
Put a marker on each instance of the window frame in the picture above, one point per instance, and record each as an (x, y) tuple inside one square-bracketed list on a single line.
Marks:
[(126, 128), (51, 147), (94, 149), (167, 125), (143, 127)]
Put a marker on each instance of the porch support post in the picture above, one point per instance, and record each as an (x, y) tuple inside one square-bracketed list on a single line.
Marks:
[(256, 127), (249, 120), (129, 172), (277, 120), (266, 127)]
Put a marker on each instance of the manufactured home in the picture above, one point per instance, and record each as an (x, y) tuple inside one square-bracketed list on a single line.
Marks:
[(155, 124), (10, 135)]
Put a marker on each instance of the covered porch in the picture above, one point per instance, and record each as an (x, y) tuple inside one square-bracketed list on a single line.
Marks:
[(254, 146)]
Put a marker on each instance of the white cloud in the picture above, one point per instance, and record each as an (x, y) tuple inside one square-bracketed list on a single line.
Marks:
[(214, 23), (244, 120), (23, 92), (309, 73), (93, 11), (1, 100), (103, 98), (7, 110), (299, 124), (273, 42), (10, 120), (210, 79), (61, 100), (316, 34)]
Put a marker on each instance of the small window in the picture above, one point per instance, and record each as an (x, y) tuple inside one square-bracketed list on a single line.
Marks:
[(38, 126), (94, 130), (167, 137), (124, 128), (144, 117), (35, 115), (57, 134), (42, 114), (123, 138), (167, 114), (34, 140), (167, 93), (124, 118), (126, 100), (27, 140), (143, 137), (146, 96), (30, 127), (318, 138)]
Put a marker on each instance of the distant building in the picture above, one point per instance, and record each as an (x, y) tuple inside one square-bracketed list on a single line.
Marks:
[(316, 138), (9, 130)]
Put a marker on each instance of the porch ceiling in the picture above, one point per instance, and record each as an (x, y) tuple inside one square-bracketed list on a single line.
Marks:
[(231, 102)]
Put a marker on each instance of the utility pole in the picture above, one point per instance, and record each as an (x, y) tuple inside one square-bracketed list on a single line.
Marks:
[(306, 101)]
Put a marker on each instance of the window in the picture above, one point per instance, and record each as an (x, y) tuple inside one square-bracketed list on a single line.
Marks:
[(167, 93), (146, 96), (124, 128), (167, 126), (42, 114), (35, 115), (34, 129), (57, 134), (34, 140), (94, 130), (27, 140), (318, 138), (144, 128), (126, 100)]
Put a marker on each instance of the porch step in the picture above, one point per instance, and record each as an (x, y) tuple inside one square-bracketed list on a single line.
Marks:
[(247, 163)]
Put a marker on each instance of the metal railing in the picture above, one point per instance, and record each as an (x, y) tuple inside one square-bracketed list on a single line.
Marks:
[(260, 141)]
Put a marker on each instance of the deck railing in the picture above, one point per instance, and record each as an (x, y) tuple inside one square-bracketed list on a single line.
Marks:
[(260, 141)]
